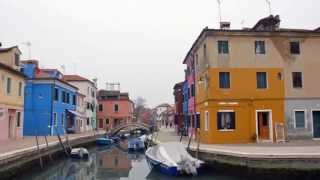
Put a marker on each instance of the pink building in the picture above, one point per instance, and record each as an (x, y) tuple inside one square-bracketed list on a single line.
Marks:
[(114, 108)]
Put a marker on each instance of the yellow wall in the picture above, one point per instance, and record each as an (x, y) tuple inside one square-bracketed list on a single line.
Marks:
[(8, 58), (244, 98)]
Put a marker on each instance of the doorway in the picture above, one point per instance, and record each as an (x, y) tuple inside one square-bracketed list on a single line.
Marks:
[(264, 125), (316, 123), (11, 127)]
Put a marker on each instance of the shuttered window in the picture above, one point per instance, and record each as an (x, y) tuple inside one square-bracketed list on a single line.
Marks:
[(224, 80), (262, 80), (299, 119), (226, 120), (223, 47)]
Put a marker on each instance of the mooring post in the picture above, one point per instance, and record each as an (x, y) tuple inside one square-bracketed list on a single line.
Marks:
[(45, 137), (67, 139), (39, 153)]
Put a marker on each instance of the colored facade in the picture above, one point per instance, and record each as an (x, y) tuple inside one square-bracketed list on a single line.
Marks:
[(50, 102), (185, 105), (178, 102), (12, 83), (161, 114), (89, 89), (258, 84), (114, 108)]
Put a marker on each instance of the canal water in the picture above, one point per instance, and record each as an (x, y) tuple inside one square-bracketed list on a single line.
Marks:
[(108, 163)]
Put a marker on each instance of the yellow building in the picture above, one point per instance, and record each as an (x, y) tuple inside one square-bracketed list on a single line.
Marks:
[(240, 81), (12, 83)]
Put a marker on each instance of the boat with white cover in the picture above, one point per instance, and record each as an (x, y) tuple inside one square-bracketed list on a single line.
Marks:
[(172, 158)]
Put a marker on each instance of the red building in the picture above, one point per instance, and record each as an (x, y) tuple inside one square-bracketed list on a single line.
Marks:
[(114, 108), (178, 101)]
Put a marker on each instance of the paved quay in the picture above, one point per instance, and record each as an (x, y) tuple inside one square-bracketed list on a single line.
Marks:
[(294, 154)]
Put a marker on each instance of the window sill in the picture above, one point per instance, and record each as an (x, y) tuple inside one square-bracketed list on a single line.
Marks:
[(226, 130)]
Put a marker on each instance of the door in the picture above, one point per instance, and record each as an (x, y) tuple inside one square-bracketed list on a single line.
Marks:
[(316, 124), (263, 126), (101, 123), (11, 126)]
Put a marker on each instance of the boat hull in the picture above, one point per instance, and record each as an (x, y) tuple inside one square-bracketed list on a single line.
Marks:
[(162, 168), (104, 141)]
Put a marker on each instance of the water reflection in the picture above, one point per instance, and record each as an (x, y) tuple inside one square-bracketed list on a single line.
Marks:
[(107, 163)]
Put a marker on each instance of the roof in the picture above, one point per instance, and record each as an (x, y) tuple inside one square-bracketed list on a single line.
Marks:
[(2, 50), (177, 85), (206, 31), (75, 78), (10, 69), (31, 61)]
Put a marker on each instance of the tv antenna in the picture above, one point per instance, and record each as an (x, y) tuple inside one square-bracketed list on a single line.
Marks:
[(113, 86), (269, 6), (219, 8), (28, 44)]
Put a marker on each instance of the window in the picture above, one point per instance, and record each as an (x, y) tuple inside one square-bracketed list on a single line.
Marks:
[(62, 119), (261, 80), (74, 100), (224, 80), (54, 119), (295, 47), (68, 98), (88, 105), (226, 120), (297, 79), (8, 85), (192, 90), (260, 47), (116, 108), (107, 121), (299, 117), (206, 121), (223, 47), (16, 59), (205, 50), (18, 119), (20, 88), (100, 107), (63, 96), (56, 94), (88, 121)]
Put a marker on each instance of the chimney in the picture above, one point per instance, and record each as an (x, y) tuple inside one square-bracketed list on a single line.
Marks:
[(225, 25)]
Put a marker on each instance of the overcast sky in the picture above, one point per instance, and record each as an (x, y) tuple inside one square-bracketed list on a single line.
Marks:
[(139, 43)]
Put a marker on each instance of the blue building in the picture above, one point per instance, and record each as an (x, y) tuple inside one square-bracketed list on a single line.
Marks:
[(50, 103), (185, 108)]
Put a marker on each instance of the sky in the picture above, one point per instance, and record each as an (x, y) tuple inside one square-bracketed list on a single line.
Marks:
[(139, 43)]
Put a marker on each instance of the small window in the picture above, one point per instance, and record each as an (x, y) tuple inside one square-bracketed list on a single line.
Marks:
[(295, 47), (297, 79), (20, 89), (223, 47), (74, 100), (116, 108), (8, 85), (68, 98), (224, 80), (107, 121), (88, 121), (261, 80), (88, 105), (100, 107), (56, 94), (299, 119), (17, 59), (18, 119), (54, 119), (226, 120), (260, 47), (192, 90), (206, 121), (62, 119), (63, 96)]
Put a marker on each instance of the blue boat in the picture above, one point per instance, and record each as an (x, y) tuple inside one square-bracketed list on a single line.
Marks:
[(104, 141), (172, 159), (136, 144)]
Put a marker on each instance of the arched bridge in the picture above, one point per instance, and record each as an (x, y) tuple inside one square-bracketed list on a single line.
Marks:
[(130, 126)]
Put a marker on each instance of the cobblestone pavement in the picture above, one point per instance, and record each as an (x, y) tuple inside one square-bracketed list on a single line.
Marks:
[(292, 149)]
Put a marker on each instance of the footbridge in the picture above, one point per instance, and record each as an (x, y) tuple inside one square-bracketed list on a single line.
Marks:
[(130, 126)]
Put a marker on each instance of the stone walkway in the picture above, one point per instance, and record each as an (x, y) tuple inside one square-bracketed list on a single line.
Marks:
[(293, 149)]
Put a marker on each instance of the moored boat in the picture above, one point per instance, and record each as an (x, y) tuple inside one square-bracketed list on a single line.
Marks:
[(136, 144), (104, 141), (172, 159), (79, 153)]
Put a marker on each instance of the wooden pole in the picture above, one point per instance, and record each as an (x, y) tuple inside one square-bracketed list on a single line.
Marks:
[(45, 137), (39, 153), (61, 143)]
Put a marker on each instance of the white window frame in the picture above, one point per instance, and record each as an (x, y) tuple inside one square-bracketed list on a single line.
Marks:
[(294, 118), (55, 119), (226, 111), (206, 120)]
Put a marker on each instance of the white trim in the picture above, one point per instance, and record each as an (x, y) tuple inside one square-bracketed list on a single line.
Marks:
[(206, 120), (270, 125), (312, 129), (294, 118), (227, 110)]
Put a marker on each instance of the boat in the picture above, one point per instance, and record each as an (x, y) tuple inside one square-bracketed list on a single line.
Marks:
[(172, 158), (135, 144), (79, 153), (115, 139), (104, 141)]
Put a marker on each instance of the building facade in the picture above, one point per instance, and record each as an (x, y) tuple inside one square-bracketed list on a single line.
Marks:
[(50, 102), (114, 108), (89, 89), (12, 83), (257, 84), (178, 103)]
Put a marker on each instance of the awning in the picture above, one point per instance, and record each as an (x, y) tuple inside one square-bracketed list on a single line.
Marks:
[(76, 113)]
